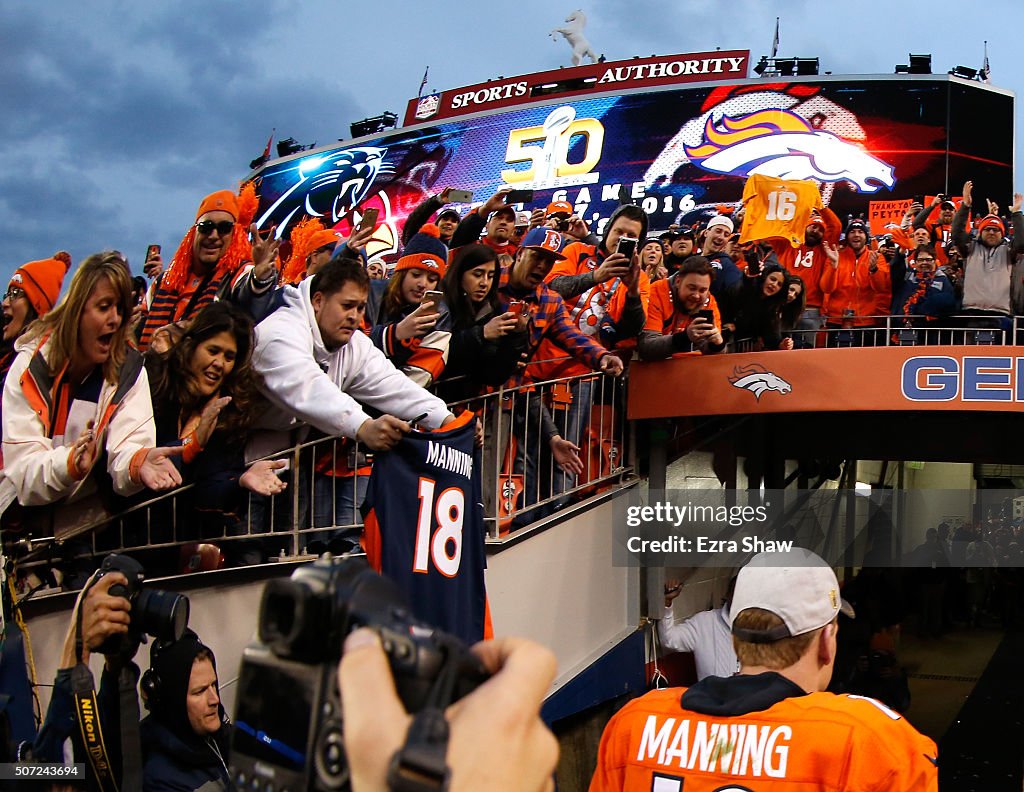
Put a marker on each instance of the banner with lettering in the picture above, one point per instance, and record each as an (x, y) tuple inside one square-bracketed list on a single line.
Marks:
[(985, 378), (578, 81)]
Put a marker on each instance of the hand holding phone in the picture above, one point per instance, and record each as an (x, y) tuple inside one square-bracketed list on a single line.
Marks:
[(627, 247), (519, 196), (152, 265), (432, 299), (369, 219), (459, 196)]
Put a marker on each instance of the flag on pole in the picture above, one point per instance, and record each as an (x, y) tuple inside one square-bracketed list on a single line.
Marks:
[(270, 140), (423, 82), (775, 41), (985, 68)]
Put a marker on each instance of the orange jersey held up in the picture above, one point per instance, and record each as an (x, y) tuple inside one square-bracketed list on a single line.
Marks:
[(808, 262), (778, 209), (818, 741)]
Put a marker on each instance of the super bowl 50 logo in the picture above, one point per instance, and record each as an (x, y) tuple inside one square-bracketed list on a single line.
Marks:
[(549, 165)]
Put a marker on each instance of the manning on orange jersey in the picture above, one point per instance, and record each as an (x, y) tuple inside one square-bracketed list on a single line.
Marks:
[(817, 741)]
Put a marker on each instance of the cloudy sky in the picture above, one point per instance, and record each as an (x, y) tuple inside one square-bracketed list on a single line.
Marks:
[(118, 117)]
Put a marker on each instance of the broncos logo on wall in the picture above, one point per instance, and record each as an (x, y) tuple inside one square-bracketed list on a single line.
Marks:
[(784, 145), (758, 380), (326, 185)]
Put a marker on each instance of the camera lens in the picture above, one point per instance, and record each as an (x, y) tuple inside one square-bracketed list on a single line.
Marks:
[(292, 616), (162, 614)]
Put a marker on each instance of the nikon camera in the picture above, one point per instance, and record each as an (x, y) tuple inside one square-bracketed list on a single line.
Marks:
[(161, 614), (288, 730)]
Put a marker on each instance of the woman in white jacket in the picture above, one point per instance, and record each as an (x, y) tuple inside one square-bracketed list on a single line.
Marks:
[(77, 394)]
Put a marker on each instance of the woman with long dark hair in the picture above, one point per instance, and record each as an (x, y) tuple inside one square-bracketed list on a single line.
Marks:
[(205, 395), (759, 303), (485, 348)]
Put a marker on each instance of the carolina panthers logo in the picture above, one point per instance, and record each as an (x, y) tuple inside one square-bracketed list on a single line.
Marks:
[(757, 379), (327, 185), (784, 145)]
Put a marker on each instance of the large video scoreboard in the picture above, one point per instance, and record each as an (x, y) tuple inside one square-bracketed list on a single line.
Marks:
[(680, 152)]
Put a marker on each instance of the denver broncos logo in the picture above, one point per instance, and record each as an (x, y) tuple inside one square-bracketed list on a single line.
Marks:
[(784, 145), (326, 185), (757, 379)]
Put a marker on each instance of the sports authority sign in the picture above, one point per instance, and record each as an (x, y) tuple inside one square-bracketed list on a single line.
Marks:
[(581, 80), (987, 378)]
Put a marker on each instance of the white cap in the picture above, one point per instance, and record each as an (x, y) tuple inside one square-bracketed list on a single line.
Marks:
[(522, 219), (721, 220), (797, 586)]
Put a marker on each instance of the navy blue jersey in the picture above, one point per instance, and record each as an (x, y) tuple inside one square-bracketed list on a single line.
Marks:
[(425, 526)]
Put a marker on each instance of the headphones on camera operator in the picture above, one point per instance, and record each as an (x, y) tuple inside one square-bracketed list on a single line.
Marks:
[(161, 614)]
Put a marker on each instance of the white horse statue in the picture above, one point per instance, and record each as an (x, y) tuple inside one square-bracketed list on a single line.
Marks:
[(573, 32)]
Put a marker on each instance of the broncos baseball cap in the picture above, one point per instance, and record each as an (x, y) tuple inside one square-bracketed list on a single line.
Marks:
[(815, 219), (796, 585), (448, 213), (857, 223), (947, 205), (721, 220), (545, 240), (506, 209), (558, 207)]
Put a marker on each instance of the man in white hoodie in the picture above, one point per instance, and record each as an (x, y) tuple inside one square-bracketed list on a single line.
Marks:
[(318, 367)]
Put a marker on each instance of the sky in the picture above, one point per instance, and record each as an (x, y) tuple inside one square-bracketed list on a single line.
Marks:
[(118, 117)]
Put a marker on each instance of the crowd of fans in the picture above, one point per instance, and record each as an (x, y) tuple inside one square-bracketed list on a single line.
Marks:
[(124, 389)]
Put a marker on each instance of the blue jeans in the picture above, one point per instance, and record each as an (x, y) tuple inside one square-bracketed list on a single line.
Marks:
[(336, 502), (542, 477)]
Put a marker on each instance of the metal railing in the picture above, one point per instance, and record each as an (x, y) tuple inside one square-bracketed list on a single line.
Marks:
[(184, 530), (520, 480), (888, 330)]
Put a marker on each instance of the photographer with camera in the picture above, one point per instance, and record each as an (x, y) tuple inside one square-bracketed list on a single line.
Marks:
[(102, 615), (497, 740), (417, 709), (113, 612)]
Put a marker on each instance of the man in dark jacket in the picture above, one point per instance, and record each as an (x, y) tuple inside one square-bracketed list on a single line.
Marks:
[(447, 219), (495, 219), (185, 737), (727, 275)]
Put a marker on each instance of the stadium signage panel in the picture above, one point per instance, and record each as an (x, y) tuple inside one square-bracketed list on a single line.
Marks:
[(680, 154), (633, 73), (830, 380)]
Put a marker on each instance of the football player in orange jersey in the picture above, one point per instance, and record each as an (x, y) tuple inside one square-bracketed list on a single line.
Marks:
[(771, 726)]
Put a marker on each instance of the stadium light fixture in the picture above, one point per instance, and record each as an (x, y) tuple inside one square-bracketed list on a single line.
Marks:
[(807, 67), (964, 71), (920, 64)]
